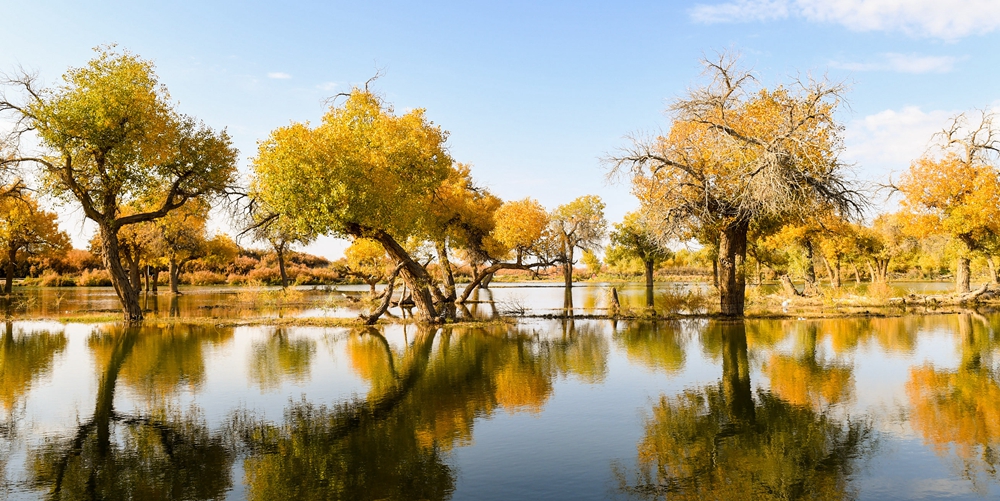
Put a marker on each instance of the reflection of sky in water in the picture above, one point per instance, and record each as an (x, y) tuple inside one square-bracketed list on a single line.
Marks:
[(605, 382)]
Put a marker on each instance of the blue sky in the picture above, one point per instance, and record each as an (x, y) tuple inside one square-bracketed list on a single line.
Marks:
[(532, 93)]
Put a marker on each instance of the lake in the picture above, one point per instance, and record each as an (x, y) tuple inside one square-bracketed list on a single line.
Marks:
[(860, 408)]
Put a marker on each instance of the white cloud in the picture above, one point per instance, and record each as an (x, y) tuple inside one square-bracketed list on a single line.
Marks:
[(931, 18), (889, 140), (902, 63), (279, 75)]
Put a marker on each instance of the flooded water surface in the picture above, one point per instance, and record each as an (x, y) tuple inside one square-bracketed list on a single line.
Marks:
[(862, 408)]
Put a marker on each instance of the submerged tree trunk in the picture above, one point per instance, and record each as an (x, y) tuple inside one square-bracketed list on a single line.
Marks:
[(155, 277), (962, 275), (127, 294), (732, 268)]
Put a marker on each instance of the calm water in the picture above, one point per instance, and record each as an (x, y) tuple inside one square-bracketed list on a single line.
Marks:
[(867, 408)]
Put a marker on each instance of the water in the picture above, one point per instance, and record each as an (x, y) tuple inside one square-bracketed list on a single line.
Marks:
[(863, 408)]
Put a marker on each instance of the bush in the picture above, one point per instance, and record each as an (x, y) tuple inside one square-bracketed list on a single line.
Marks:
[(95, 278), (203, 277)]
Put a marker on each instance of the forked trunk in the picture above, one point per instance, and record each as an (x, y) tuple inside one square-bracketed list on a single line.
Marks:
[(732, 268), (414, 275), (833, 271), (962, 275), (127, 294)]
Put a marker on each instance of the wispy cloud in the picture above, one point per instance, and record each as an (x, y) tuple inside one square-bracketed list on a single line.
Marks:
[(279, 75), (926, 18), (327, 86), (902, 63)]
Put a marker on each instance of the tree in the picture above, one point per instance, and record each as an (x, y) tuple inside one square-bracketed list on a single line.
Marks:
[(519, 240), (182, 238), (364, 172), (366, 259), (957, 193), (632, 238), (736, 153), (26, 229), (109, 135), (580, 225)]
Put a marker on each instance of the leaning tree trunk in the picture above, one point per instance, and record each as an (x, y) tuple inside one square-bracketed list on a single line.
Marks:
[(732, 268), (8, 286), (962, 275), (833, 271), (994, 279), (414, 275), (127, 294)]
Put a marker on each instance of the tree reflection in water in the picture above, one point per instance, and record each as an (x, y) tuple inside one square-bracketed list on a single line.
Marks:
[(423, 401), (719, 442), (958, 411), (158, 454)]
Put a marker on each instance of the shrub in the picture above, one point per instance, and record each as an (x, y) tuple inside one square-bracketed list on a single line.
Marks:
[(94, 278), (203, 277)]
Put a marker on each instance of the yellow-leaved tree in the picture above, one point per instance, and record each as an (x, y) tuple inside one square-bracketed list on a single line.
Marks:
[(955, 191), (363, 172), (109, 136), (737, 153)]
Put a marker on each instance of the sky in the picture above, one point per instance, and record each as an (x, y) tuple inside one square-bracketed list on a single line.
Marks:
[(533, 94)]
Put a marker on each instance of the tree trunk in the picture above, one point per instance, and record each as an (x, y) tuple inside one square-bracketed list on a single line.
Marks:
[(386, 300), (134, 272), (448, 277), (155, 278), (715, 272), (994, 279), (649, 283), (414, 275), (568, 269), (174, 271), (8, 286), (127, 294), (833, 271), (810, 288), (280, 251), (788, 287), (857, 273), (146, 276), (962, 275), (732, 268)]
